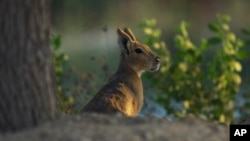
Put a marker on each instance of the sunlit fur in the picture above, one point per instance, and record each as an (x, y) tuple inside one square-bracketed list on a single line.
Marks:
[(124, 90)]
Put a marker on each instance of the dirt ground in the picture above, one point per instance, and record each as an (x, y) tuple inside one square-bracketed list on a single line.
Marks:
[(94, 127)]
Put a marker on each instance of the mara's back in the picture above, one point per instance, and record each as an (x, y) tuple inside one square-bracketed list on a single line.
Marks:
[(124, 90), (118, 95)]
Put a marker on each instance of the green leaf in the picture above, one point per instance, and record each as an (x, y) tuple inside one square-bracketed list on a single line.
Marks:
[(214, 27), (148, 23), (184, 25), (204, 44), (151, 22), (243, 55), (225, 18), (56, 41), (214, 41), (225, 27), (246, 31), (149, 41)]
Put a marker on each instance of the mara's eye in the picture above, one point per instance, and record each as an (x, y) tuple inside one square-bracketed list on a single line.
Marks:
[(138, 50)]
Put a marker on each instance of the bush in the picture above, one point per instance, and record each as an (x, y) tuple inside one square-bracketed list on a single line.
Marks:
[(190, 81), (74, 87), (60, 58)]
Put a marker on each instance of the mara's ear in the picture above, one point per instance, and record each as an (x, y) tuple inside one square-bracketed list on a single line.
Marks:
[(124, 35), (130, 33), (124, 40)]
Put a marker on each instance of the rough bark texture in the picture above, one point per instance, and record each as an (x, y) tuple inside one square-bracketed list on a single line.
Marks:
[(27, 94)]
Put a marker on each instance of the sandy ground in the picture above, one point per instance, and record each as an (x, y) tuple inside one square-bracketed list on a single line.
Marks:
[(93, 127)]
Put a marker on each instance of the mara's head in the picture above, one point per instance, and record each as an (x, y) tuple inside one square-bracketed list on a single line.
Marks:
[(137, 55)]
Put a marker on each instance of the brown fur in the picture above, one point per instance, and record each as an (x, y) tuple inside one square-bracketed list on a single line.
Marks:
[(124, 90)]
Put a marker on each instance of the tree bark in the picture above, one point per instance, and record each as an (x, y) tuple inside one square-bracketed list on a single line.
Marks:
[(27, 84)]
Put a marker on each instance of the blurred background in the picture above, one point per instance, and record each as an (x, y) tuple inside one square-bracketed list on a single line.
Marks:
[(90, 25), (88, 36)]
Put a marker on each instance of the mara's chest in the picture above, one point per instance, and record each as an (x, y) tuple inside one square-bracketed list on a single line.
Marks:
[(133, 101)]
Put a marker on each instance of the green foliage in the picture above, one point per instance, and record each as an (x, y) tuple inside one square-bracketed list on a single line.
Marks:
[(60, 58), (74, 87), (223, 71), (190, 81)]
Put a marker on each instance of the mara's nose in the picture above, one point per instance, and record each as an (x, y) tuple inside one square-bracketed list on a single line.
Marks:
[(157, 59)]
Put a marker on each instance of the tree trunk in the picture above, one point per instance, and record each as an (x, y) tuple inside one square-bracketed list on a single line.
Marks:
[(27, 86)]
